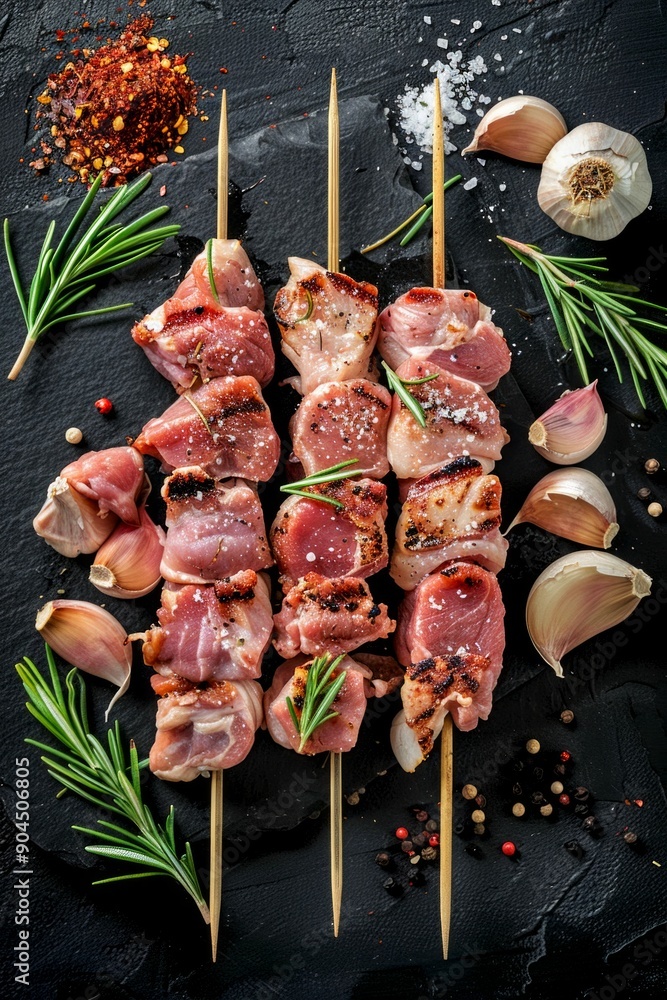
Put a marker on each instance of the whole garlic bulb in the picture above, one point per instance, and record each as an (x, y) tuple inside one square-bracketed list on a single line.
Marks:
[(594, 181)]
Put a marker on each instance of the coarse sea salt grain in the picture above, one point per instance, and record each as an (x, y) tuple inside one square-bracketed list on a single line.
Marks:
[(415, 105), (442, 43), (469, 185), (427, 19)]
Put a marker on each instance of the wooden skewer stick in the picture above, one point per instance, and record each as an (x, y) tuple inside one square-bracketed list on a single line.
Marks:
[(335, 759), (215, 865), (447, 735)]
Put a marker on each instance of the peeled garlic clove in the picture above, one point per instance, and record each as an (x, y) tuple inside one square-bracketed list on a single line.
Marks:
[(71, 523), (128, 564), (525, 128), (405, 744), (577, 597), (594, 181), (90, 639), (574, 504), (572, 429)]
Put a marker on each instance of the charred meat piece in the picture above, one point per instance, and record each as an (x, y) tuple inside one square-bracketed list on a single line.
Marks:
[(338, 734), (313, 536), (328, 324), (217, 632), (343, 420), (319, 615), (224, 426), (449, 328), (203, 728), (460, 420), (206, 342), (453, 513), (216, 529)]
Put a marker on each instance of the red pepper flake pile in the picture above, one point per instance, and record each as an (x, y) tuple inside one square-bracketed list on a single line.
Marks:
[(119, 108)]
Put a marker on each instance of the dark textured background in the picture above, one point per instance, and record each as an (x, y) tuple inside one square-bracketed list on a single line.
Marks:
[(550, 925)]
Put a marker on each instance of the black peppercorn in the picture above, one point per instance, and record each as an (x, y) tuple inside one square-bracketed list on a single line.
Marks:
[(419, 840), (517, 789), (567, 716), (382, 859), (592, 826), (431, 826), (417, 878), (581, 794), (538, 773), (574, 848), (421, 816), (406, 846), (581, 809), (559, 769), (393, 887), (518, 766), (644, 493), (474, 850), (480, 800), (630, 837), (459, 828), (537, 798)]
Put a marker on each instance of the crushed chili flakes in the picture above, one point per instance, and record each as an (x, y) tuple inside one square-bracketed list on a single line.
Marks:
[(120, 107)]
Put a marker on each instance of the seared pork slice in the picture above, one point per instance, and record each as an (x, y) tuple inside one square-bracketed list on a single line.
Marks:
[(339, 734), (460, 684), (327, 322), (216, 529), (335, 616), (449, 328), (343, 420), (203, 728), (217, 632), (235, 281), (311, 536), (206, 342), (460, 420), (457, 610), (453, 513), (224, 425)]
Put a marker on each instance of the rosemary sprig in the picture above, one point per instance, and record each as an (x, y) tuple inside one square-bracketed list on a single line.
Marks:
[(319, 695), (422, 214), (332, 474), (582, 303), (105, 777), (400, 387), (68, 272)]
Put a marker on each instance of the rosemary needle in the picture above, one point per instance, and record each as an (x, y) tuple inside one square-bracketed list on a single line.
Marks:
[(582, 303), (105, 777), (421, 215), (400, 387), (335, 472), (72, 270)]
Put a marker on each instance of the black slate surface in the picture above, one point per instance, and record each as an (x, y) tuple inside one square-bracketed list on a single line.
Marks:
[(547, 923)]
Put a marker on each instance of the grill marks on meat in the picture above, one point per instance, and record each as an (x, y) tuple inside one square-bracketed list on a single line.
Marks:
[(343, 420), (203, 728), (215, 529), (329, 616), (449, 328), (338, 734), (212, 633), (312, 536), (225, 426), (328, 325), (460, 420), (453, 513)]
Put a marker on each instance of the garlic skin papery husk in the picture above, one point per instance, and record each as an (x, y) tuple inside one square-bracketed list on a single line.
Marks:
[(90, 639), (71, 523), (572, 429), (578, 596), (128, 563), (574, 504), (594, 181), (525, 128)]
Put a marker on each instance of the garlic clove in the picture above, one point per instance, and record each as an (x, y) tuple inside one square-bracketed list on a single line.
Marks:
[(578, 596), (572, 429), (128, 563), (574, 504), (90, 639), (71, 523), (525, 128), (405, 744), (594, 181)]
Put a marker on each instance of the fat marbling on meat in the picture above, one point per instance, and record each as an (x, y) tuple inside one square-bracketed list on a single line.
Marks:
[(343, 420), (447, 327), (328, 325), (453, 513), (321, 615), (314, 536), (460, 420), (215, 529), (203, 728), (212, 632), (224, 426)]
